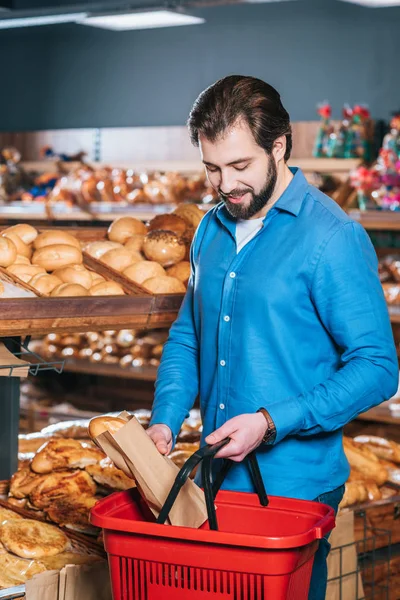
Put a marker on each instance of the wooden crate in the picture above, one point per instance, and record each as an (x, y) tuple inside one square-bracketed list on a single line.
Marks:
[(40, 315)]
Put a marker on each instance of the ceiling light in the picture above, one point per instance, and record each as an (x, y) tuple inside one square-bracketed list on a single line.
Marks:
[(375, 3), (12, 23), (141, 20)]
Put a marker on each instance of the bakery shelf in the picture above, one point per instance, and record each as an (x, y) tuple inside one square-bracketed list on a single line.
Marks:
[(86, 313), (394, 313), (17, 591), (22, 352), (383, 220), (92, 368)]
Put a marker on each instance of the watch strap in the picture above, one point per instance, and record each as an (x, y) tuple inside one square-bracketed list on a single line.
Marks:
[(270, 434)]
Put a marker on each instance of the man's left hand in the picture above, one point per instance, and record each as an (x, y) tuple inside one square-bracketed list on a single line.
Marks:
[(246, 433)]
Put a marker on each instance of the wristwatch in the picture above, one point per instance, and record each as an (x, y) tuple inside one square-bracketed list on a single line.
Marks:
[(270, 434)]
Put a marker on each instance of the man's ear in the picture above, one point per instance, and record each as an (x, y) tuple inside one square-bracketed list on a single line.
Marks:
[(279, 148)]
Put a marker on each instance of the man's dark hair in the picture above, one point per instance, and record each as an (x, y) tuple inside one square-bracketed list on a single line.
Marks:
[(235, 97)]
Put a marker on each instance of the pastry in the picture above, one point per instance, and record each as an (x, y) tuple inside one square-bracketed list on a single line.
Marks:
[(62, 453), (97, 249), (54, 256), (8, 252), (75, 274), (135, 243), (107, 288), (25, 232), (22, 248), (16, 571), (381, 447), (23, 482), (25, 272), (107, 475), (69, 289), (120, 258), (64, 484), (6, 515), (365, 461), (44, 283)]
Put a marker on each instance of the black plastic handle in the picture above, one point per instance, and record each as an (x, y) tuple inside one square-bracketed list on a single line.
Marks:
[(206, 454)]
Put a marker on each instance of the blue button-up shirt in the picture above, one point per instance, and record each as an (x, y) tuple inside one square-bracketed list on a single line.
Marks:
[(296, 323)]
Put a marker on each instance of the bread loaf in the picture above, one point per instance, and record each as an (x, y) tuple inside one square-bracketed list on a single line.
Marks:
[(365, 461), (164, 247), (381, 447), (135, 243), (99, 425), (21, 260), (53, 257), (180, 271)]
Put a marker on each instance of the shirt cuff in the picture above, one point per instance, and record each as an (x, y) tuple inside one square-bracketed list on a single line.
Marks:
[(287, 416), (170, 415)]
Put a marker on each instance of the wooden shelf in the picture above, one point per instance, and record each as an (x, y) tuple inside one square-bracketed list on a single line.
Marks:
[(91, 368), (22, 316), (382, 220)]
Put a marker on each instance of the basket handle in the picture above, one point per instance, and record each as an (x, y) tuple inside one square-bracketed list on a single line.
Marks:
[(206, 454)]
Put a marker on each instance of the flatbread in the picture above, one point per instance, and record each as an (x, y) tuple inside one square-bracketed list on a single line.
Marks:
[(68, 558), (15, 571), (28, 538), (6, 514)]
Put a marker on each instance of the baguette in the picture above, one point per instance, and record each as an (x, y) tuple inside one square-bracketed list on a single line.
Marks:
[(365, 461), (381, 447)]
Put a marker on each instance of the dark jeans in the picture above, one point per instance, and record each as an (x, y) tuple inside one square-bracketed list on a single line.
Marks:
[(320, 570)]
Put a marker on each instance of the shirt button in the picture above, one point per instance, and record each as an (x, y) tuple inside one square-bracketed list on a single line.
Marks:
[(222, 363), (227, 319), (232, 275), (222, 406)]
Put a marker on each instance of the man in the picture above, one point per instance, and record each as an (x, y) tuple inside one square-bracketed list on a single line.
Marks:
[(284, 311)]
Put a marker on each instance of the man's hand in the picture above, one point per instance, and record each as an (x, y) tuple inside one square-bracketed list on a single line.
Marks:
[(161, 436), (246, 433)]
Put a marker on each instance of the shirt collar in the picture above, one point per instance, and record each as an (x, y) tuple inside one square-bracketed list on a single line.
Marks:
[(291, 200)]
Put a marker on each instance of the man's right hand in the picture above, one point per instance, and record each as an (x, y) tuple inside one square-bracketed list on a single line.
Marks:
[(162, 437)]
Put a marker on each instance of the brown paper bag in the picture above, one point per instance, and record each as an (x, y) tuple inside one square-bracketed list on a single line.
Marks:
[(43, 586), (132, 450), (349, 585), (87, 582)]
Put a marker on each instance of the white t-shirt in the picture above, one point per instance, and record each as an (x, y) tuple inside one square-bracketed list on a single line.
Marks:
[(246, 230)]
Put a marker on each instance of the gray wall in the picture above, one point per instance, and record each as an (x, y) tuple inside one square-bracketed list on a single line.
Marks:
[(311, 50)]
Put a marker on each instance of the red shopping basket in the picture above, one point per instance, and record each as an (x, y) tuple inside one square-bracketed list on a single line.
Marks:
[(264, 548)]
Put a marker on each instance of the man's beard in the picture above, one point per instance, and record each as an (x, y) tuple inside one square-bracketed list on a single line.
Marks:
[(258, 201)]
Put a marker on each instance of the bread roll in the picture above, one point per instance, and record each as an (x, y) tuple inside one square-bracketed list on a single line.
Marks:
[(145, 269), (25, 272), (164, 285), (168, 223), (75, 274), (8, 252), (180, 271), (124, 228), (45, 283), (52, 237), (1, 288), (99, 425), (55, 256), (21, 260), (190, 213), (164, 247), (106, 288), (96, 278), (97, 249), (120, 258), (69, 289), (22, 248), (135, 243), (25, 232)]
